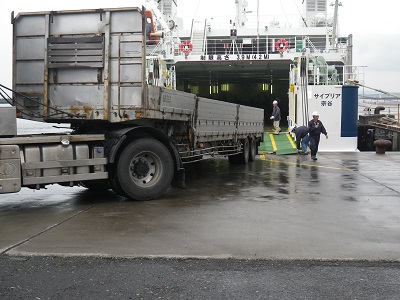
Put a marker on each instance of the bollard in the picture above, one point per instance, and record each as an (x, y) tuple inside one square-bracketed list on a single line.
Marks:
[(381, 146)]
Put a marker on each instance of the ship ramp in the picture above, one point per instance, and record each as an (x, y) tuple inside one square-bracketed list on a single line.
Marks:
[(280, 144)]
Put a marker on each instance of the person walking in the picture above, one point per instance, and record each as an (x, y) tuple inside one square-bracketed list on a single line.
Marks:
[(315, 128), (302, 138), (276, 116)]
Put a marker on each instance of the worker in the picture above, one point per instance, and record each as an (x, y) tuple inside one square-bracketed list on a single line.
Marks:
[(302, 138), (276, 116), (315, 128)]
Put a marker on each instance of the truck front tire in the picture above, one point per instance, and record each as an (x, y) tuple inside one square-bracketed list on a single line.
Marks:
[(144, 169)]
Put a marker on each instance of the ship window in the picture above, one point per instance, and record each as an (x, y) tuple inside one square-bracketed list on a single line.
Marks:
[(225, 87)]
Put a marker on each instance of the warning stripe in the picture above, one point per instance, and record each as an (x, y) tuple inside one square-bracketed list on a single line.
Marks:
[(290, 140), (273, 142)]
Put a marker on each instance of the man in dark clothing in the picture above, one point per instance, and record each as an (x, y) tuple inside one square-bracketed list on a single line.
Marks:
[(315, 128), (276, 116), (301, 137)]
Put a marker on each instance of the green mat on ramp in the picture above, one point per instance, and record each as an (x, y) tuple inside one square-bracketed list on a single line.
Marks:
[(280, 144), (266, 146)]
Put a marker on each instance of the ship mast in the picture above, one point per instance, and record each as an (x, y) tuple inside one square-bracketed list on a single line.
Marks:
[(241, 10), (335, 21)]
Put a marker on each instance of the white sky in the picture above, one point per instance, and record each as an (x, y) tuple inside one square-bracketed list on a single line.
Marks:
[(375, 27)]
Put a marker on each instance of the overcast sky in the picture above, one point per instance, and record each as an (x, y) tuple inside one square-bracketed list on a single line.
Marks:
[(375, 27)]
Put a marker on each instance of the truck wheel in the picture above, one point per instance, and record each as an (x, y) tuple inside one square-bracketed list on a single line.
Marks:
[(246, 151), (144, 169), (252, 149), (113, 182), (241, 158)]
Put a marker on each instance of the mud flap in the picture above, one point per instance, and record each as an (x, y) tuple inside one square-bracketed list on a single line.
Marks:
[(179, 179)]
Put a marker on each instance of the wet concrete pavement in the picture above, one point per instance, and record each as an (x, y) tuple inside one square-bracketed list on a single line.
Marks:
[(344, 206)]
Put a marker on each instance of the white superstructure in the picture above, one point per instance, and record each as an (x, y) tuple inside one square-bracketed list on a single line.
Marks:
[(254, 58)]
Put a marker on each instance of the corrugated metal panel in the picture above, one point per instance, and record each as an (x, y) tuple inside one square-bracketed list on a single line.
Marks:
[(76, 52)]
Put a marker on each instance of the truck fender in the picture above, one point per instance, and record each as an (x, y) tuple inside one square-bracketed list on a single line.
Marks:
[(115, 147)]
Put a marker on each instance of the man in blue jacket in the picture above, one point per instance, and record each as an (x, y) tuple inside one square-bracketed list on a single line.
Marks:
[(301, 137), (315, 128)]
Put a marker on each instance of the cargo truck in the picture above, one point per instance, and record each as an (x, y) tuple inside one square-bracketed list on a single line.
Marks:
[(130, 131)]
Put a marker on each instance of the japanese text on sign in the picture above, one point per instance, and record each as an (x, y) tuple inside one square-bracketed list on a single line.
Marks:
[(227, 57), (326, 98)]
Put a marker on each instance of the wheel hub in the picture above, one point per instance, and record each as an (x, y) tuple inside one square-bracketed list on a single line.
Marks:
[(140, 168)]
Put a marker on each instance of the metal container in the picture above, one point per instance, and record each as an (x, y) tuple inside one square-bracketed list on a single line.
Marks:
[(80, 65)]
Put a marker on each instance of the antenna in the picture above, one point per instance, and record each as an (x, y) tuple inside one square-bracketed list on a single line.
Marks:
[(335, 20)]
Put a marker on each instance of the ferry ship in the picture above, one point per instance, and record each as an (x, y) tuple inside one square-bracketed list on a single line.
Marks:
[(301, 62)]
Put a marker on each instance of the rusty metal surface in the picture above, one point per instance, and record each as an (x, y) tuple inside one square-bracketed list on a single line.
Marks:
[(50, 138)]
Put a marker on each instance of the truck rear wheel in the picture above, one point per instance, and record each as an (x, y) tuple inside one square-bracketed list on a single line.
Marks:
[(241, 158), (144, 169), (252, 149)]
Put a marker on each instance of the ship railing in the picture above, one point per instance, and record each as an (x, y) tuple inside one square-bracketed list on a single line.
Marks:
[(353, 73), (265, 45), (329, 74), (376, 100), (265, 22)]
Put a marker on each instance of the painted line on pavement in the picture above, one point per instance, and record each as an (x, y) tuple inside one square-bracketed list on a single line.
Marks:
[(306, 165)]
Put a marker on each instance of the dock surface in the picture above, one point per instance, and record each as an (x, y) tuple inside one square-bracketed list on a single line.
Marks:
[(345, 206)]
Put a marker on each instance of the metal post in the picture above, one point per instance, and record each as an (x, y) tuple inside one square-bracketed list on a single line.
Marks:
[(335, 18)]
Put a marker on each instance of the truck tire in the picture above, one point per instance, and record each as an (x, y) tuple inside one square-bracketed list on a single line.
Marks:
[(145, 169), (113, 182), (241, 158), (252, 148)]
